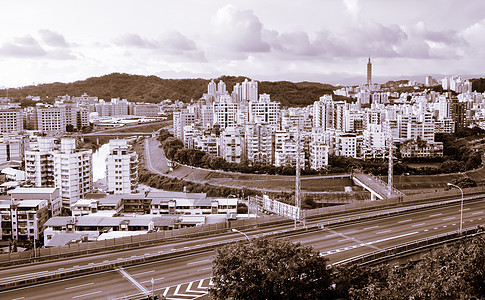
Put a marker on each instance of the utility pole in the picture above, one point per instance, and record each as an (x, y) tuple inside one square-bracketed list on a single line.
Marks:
[(297, 179), (389, 176)]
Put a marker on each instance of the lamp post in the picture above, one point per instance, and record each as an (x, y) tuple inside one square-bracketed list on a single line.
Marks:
[(461, 206), (247, 237)]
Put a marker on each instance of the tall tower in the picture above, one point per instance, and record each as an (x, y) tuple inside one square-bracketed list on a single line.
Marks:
[(369, 73)]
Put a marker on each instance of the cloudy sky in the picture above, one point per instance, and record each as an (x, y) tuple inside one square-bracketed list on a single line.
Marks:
[(317, 40)]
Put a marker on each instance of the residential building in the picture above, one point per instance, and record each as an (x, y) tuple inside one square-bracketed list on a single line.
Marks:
[(23, 220), (11, 121), (73, 172), (51, 119), (121, 168), (39, 163), (52, 195)]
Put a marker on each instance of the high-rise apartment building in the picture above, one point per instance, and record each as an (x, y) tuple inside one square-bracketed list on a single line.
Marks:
[(39, 163), (264, 111), (73, 172), (121, 168), (259, 143), (323, 113)]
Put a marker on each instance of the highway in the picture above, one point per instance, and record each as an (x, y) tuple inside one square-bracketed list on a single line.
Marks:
[(337, 243)]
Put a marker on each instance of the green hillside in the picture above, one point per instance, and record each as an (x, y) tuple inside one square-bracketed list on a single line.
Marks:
[(154, 89)]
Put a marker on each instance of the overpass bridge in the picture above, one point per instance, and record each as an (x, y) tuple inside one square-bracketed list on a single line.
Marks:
[(378, 188)]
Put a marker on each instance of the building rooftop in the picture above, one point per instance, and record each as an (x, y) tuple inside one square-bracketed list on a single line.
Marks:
[(58, 221), (30, 203), (21, 190), (63, 239)]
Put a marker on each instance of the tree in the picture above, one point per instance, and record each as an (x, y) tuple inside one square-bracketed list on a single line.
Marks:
[(269, 269)]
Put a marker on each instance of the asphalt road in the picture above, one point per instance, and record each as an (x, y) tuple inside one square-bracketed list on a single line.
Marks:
[(337, 244)]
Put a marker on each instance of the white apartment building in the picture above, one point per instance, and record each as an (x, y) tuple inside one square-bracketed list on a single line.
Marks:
[(23, 220), (180, 120), (73, 172), (347, 145), (259, 143), (318, 150), (121, 168), (206, 143), (264, 111), (323, 113), (51, 119), (39, 163), (249, 90), (231, 145), (445, 126), (51, 195), (11, 121), (224, 111)]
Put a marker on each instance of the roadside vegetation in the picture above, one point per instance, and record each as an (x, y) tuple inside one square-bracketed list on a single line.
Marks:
[(278, 269)]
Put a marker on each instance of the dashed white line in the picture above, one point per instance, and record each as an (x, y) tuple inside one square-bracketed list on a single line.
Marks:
[(477, 213), (151, 271), (435, 215), (88, 294), (204, 269), (450, 218), (372, 227), (199, 262), (384, 231), (404, 221), (420, 224), (81, 285)]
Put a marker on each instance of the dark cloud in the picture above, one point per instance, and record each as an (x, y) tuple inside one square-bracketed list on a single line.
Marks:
[(53, 39)]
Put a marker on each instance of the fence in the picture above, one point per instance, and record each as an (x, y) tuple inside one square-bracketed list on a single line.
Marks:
[(154, 238)]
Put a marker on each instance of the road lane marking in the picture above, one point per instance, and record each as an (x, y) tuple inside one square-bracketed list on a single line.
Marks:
[(435, 215), (205, 269), (199, 262), (81, 285), (465, 209), (88, 294), (477, 213), (420, 224), (372, 227), (404, 221), (384, 231), (18, 298), (339, 241), (450, 218), (143, 273), (435, 228)]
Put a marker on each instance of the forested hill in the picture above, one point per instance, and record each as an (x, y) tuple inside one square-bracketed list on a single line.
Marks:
[(478, 84), (154, 89)]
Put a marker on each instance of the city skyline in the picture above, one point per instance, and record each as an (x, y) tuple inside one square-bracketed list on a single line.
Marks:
[(323, 41)]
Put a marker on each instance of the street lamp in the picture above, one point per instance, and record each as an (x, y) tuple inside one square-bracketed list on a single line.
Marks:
[(247, 237), (461, 207)]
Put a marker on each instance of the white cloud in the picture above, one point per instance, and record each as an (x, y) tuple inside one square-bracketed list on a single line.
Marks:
[(239, 30)]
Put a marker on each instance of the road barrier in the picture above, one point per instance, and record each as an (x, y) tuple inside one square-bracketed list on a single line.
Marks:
[(160, 237), (412, 247)]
